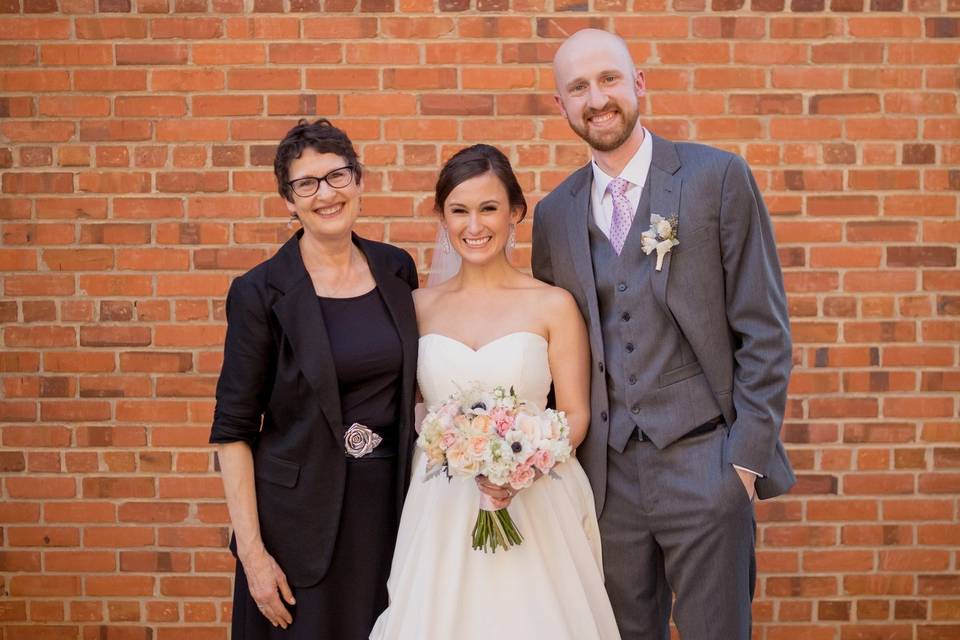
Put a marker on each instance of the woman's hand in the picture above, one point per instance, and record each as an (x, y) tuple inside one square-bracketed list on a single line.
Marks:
[(500, 495), (264, 579)]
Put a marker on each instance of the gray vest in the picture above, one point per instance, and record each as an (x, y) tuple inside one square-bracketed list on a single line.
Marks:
[(653, 377)]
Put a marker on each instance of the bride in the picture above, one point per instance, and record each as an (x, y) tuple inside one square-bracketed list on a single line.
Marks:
[(494, 325)]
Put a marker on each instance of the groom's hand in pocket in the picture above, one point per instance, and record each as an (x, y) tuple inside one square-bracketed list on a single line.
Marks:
[(749, 480)]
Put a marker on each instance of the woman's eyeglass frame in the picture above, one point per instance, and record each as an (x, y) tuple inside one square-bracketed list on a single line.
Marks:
[(326, 178)]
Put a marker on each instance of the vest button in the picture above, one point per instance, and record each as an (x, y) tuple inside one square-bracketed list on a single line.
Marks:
[(629, 347), (625, 317), (622, 286), (634, 409), (600, 366), (633, 379), (603, 416)]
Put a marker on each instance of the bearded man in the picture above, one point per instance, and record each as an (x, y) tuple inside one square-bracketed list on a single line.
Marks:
[(669, 252)]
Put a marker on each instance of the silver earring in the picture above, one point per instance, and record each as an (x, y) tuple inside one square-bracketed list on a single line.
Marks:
[(293, 218), (444, 242), (512, 238)]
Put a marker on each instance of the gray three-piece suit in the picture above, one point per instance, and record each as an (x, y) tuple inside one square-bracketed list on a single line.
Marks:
[(706, 337)]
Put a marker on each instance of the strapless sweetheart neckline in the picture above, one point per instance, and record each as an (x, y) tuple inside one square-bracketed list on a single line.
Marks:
[(487, 344)]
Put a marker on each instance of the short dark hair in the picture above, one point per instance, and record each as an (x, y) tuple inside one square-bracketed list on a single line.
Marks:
[(322, 137), (475, 161)]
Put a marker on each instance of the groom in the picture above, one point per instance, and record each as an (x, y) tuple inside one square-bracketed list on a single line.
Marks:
[(691, 350)]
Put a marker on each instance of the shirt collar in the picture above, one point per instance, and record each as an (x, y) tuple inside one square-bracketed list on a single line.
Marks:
[(636, 170)]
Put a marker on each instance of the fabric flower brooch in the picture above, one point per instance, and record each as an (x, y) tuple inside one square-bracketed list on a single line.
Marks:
[(660, 237)]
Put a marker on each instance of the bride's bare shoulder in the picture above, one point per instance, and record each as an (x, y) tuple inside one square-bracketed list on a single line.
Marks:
[(549, 295)]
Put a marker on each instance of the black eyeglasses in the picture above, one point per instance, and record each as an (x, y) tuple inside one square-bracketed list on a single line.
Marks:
[(337, 179)]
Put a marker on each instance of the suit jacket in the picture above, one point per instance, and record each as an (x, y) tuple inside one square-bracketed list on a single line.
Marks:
[(278, 372), (721, 287)]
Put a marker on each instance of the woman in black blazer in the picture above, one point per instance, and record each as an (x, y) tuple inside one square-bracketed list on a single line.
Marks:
[(314, 414)]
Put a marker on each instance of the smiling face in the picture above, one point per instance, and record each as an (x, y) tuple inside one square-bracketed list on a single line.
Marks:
[(477, 216), (329, 213), (598, 88)]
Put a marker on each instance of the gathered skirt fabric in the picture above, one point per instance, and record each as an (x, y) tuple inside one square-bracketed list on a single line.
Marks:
[(550, 586), (347, 601)]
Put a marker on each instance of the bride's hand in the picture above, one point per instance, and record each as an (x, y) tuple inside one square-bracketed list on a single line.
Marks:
[(500, 495)]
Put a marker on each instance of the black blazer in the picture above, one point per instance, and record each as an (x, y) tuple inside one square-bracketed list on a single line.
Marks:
[(278, 371)]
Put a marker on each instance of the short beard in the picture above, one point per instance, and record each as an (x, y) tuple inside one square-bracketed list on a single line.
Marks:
[(611, 140)]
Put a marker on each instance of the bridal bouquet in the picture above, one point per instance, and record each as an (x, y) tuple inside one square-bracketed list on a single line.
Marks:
[(491, 432)]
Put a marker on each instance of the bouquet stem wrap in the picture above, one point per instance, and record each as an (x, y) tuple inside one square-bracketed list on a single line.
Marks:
[(494, 528)]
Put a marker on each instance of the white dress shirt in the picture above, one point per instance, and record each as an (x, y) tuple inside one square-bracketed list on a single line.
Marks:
[(635, 173)]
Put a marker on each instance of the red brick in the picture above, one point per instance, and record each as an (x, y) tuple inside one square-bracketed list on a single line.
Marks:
[(44, 586)]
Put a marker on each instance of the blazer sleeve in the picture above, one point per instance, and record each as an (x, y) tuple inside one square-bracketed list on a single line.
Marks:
[(756, 309), (540, 254), (244, 386)]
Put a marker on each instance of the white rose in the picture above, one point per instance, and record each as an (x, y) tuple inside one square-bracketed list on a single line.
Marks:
[(663, 229)]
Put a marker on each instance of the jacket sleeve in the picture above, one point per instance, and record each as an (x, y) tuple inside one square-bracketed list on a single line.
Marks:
[(756, 309), (243, 389), (540, 254)]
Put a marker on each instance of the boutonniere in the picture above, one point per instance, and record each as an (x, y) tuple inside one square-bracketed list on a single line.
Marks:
[(661, 236)]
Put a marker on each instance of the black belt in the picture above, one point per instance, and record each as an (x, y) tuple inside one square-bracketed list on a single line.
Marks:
[(706, 427)]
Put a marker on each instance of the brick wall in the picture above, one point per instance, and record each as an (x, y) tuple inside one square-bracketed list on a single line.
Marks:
[(137, 148)]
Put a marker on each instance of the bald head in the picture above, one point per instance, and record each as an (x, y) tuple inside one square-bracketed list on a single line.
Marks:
[(598, 90), (585, 44)]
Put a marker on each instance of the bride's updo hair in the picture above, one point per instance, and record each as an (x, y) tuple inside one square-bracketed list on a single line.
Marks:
[(475, 161)]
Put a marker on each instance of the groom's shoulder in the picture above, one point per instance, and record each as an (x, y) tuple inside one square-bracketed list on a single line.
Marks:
[(696, 157), (562, 193)]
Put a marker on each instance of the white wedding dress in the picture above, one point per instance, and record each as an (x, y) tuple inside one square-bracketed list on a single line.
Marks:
[(548, 587)]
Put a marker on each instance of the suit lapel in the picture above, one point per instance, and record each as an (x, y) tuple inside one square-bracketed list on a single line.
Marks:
[(577, 223), (299, 313), (665, 202)]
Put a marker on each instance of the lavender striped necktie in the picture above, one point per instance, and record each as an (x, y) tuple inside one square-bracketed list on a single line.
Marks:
[(622, 213)]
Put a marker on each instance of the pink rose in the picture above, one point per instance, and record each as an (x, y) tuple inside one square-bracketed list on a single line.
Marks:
[(522, 476), (544, 460), (529, 426), (481, 424), (502, 420), (447, 439), (477, 446)]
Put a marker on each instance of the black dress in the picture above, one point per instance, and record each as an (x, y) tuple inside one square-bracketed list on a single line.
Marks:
[(346, 602)]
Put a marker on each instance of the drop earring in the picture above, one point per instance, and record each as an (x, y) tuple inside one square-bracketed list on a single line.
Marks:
[(512, 238), (444, 242)]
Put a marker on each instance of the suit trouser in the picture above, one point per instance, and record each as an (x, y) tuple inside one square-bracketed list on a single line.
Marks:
[(678, 521)]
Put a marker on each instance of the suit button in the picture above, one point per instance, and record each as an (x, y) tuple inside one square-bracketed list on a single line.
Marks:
[(625, 317), (622, 286), (633, 379), (635, 410), (629, 347), (600, 365), (603, 416)]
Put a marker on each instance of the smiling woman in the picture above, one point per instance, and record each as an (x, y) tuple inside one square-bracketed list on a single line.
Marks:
[(315, 406)]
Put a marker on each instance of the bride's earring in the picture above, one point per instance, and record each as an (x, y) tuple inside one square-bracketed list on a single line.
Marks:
[(444, 241), (512, 238)]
